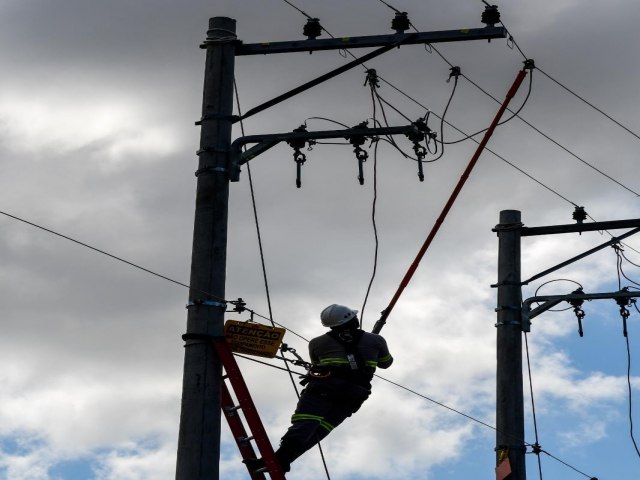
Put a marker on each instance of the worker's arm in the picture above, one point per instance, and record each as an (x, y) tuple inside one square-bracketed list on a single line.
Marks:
[(384, 357)]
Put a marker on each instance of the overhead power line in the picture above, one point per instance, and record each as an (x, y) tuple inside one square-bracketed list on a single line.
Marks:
[(572, 92), (103, 252)]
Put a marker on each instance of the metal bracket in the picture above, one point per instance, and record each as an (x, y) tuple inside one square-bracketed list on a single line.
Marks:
[(206, 303), (551, 301), (210, 169), (237, 157), (217, 116)]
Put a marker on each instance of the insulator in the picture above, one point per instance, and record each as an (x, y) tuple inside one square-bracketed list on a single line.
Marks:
[(400, 22), (491, 15), (312, 28), (579, 215)]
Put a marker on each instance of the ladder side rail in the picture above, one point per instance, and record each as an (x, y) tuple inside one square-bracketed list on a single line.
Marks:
[(237, 429), (248, 407)]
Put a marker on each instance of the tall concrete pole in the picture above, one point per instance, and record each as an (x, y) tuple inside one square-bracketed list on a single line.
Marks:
[(199, 437), (509, 398)]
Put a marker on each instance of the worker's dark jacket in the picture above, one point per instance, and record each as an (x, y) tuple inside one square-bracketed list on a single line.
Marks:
[(340, 381), (330, 351)]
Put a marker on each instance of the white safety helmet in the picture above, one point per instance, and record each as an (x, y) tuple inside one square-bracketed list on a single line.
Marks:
[(335, 315)]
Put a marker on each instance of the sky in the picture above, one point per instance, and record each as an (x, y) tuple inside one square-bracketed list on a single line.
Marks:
[(97, 107)]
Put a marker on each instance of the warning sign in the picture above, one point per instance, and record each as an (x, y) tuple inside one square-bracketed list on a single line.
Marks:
[(253, 338)]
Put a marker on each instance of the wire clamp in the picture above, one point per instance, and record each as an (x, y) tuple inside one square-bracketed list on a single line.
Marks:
[(239, 305), (536, 448), (372, 78), (454, 72)]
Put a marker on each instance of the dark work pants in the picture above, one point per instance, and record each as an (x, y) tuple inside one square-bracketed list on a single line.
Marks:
[(321, 408)]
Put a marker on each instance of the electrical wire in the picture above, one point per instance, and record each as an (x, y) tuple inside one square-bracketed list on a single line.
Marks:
[(533, 405), (540, 132), (569, 90), (327, 120), (514, 114), (264, 269), (619, 257), (115, 257), (373, 216), (436, 402), (442, 119), (298, 9)]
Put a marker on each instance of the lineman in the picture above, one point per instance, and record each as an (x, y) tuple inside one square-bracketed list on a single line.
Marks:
[(339, 381)]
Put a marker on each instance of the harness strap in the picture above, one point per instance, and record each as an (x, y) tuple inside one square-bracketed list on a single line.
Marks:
[(350, 339)]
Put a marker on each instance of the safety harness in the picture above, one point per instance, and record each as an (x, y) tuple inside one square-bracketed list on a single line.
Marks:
[(356, 371)]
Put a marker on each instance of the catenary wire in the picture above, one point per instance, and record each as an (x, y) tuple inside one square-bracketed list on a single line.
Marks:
[(514, 114), (569, 90), (536, 129), (115, 257)]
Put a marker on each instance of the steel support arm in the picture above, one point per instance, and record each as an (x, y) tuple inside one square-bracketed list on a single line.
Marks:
[(309, 45), (551, 301), (265, 142)]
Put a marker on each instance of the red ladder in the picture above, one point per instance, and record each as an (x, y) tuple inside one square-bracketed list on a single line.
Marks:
[(245, 403)]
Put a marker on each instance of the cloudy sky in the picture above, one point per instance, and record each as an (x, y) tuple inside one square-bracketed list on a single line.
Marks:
[(97, 108)]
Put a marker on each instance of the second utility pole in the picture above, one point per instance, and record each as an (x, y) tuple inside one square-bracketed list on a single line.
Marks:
[(509, 384)]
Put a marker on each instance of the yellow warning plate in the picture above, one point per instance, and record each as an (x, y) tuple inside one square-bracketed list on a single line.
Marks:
[(253, 338)]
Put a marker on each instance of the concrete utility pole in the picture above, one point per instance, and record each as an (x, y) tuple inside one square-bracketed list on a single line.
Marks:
[(514, 317), (199, 437), (509, 393)]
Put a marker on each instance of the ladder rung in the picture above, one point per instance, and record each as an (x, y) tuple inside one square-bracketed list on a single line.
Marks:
[(244, 439), (232, 410)]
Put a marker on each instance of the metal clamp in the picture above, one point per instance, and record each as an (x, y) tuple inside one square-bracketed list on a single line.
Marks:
[(210, 169), (207, 303)]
